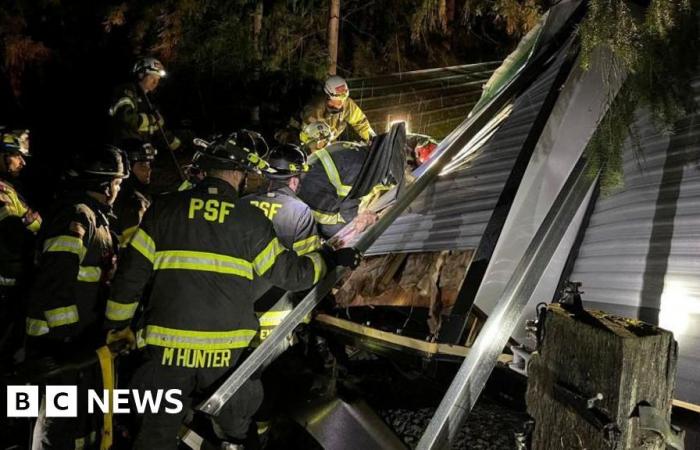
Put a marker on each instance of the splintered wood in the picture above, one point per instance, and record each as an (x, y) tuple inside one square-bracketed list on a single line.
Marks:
[(591, 375), (428, 280)]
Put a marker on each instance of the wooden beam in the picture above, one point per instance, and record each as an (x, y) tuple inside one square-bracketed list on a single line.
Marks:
[(432, 348)]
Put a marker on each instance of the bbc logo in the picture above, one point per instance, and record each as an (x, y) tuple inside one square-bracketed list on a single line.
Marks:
[(61, 401)]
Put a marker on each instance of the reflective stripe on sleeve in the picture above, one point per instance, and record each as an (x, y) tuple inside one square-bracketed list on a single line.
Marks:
[(272, 318), (89, 274), (120, 311), (328, 219), (200, 340), (144, 123), (34, 226), (208, 262), (36, 327), (65, 243), (144, 244), (124, 101), (307, 245), (319, 265), (332, 173), (267, 257), (127, 235), (61, 316)]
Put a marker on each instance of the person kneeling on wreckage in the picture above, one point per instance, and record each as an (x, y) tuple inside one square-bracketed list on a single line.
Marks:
[(204, 252), (345, 177)]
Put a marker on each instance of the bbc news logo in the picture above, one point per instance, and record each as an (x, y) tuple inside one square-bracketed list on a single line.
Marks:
[(62, 401)]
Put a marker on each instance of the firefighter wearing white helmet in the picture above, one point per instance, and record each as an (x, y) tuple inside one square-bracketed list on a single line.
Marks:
[(132, 114), (335, 108)]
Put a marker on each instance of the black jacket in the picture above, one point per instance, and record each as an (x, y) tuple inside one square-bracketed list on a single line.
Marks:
[(206, 251)]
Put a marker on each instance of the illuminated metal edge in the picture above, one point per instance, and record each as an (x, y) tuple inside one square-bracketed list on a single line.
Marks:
[(446, 150), (480, 361)]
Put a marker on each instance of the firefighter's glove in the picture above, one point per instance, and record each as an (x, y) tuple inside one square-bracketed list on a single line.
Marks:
[(125, 334), (345, 257)]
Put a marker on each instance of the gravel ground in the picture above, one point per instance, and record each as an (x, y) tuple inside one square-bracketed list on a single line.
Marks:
[(490, 426)]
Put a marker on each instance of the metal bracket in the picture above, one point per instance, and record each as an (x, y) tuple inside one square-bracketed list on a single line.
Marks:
[(652, 419), (521, 359), (586, 407)]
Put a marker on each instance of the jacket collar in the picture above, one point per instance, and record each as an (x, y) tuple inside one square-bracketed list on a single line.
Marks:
[(217, 186)]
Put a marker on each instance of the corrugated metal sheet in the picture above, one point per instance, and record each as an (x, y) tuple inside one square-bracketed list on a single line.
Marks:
[(434, 101), (640, 256), (453, 212)]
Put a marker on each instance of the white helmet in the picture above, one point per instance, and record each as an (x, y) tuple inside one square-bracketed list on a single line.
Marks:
[(315, 132), (336, 87), (148, 65)]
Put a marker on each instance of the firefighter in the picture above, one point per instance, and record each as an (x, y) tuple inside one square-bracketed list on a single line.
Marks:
[(315, 136), (335, 108), (292, 220), (133, 199), (345, 177), (18, 227), (204, 252), (66, 301), (132, 114)]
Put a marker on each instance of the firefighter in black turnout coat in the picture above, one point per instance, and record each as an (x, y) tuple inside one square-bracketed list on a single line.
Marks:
[(205, 252)]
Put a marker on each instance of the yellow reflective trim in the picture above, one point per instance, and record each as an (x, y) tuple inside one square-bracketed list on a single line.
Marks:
[(307, 245), (185, 186), (144, 244), (332, 173), (127, 235), (328, 219), (204, 261), (267, 257), (36, 327), (144, 123), (61, 316), (34, 226), (65, 243), (272, 318), (319, 265), (120, 311), (124, 101), (89, 274), (199, 340)]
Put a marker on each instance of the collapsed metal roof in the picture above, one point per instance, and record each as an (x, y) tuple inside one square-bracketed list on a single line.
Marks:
[(453, 212)]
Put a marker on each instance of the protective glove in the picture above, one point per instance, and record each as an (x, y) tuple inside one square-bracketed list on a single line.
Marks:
[(125, 334), (344, 257)]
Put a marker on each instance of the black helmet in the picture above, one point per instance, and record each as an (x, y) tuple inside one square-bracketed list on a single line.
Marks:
[(286, 161), (148, 65), (95, 172), (253, 141), (225, 153), (137, 150), (11, 142)]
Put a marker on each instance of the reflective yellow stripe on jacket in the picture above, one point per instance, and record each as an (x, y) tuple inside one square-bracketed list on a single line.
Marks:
[(120, 311), (204, 261), (65, 315), (199, 340), (89, 274), (308, 245), (65, 243), (267, 257), (332, 173), (328, 219), (36, 327), (144, 244)]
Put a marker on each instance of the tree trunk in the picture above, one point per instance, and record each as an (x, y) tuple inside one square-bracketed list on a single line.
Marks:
[(333, 25), (257, 49), (590, 376)]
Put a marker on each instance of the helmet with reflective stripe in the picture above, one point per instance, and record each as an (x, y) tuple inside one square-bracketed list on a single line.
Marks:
[(15, 142), (286, 161), (336, 87), (148, 66), (138, 151), (226, 153), (315, 132)]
